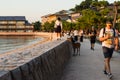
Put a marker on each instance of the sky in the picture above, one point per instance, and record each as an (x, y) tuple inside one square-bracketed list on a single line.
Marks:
[(34, 9)]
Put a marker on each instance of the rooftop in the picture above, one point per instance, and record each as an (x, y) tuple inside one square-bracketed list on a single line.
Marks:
[(12, 18)]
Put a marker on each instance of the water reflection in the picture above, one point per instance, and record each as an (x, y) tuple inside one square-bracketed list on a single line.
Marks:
[(8, 43)]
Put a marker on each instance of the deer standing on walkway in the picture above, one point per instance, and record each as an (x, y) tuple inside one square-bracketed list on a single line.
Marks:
[(76, 47)]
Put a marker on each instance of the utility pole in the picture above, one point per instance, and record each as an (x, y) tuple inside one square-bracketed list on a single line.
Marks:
[(115, 14)]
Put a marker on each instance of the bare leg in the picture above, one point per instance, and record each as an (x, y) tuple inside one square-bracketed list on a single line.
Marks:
[(107, 65), (57, 35), (92, 45)]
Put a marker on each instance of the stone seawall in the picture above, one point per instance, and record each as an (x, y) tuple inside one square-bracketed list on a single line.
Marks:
[(45, 64)]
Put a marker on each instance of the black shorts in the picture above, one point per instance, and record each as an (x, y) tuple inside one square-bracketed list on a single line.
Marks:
[(107, 52), (92, 41), (58, 29)]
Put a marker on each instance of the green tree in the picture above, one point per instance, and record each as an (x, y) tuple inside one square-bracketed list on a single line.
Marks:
[(103, 3), (104, 12), (66, 25), (37, 26), (90, 18), (117, 2), (48, 27)]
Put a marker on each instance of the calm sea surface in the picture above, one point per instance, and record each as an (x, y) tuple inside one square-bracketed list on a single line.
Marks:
[(8, 43)]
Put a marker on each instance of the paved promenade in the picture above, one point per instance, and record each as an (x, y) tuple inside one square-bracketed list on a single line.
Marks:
[(89, 65)]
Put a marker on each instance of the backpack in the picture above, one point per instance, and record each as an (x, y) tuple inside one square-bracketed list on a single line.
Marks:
[(113, 31)]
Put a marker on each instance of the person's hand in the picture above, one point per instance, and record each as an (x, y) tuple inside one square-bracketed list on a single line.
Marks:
[(116, 47), (107, 36)]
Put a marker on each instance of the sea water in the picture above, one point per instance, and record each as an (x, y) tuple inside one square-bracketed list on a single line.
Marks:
[(8, 43)]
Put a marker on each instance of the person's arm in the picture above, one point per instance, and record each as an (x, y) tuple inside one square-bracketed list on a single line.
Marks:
[(116, 41), (61, 25), (104, 38), (55, 25)]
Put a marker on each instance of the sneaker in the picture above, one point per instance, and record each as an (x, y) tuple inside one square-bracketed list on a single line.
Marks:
[(105, 72), (109, 75)]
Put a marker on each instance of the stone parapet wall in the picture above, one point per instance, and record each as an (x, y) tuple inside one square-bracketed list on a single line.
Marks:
[(46, 64)]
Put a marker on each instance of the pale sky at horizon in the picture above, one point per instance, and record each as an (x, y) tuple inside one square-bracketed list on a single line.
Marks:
[(34, 9)]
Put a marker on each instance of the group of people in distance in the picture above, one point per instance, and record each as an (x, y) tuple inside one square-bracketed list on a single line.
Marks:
[(58, 29), (107, 35)]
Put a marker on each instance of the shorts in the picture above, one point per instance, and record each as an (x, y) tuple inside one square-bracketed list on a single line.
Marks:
[(107, 52), (92, 41), (58, 29)]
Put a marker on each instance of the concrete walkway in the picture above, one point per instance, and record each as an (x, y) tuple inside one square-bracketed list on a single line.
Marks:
[(89, 65)]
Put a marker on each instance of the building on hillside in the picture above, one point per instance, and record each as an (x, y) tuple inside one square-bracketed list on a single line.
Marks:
[(52, 17), (15, 24), (63, 14), (75, 16)]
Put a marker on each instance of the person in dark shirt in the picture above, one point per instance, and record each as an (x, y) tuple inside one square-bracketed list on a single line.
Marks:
[(92, 35)]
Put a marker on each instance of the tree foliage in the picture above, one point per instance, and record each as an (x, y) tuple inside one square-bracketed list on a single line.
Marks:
[(94, 13), (37, 26), (48, 27)]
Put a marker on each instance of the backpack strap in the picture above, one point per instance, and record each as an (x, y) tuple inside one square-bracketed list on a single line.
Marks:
[(113, 31), (103, 31)]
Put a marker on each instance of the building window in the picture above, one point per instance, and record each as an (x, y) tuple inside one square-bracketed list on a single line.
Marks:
[(11, 22), (3, 22)]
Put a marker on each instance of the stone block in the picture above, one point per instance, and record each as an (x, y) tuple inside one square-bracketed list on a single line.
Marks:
[(50, 59), (25, 72), (16, 74), (45, 67), (32, 71), (6, 76), (37, 66)]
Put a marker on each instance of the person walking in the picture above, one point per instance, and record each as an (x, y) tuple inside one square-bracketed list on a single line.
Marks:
[(110, 41), (92, 35), (81, 35), (58, 28), (75, 32)]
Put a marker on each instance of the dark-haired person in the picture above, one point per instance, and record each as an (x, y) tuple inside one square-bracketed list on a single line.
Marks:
[(58, 28), (92, 35)]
